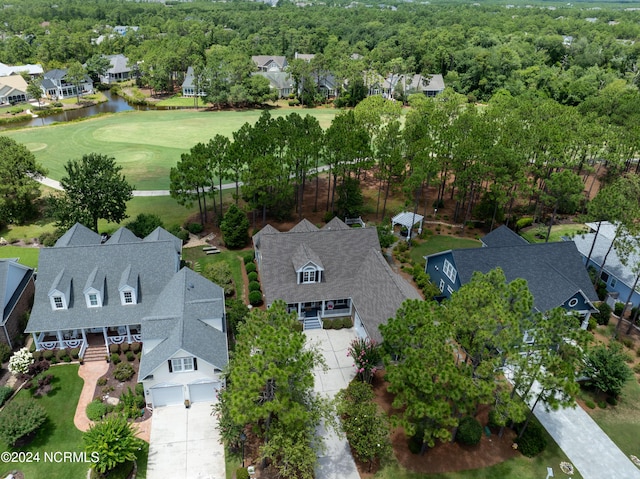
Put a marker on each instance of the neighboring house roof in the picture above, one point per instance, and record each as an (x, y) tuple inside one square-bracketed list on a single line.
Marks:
[(122, 235), (278, 80), (503, 236), (15, 82), (14, 277), (160, 234), (79, 254), (353, 268), (119, 63), (55, 74), (307, 57), (613, 265), (179, 318), (188, 78), (554, 271), (32, 69), (270, 61), (336, 224), (607, 229)]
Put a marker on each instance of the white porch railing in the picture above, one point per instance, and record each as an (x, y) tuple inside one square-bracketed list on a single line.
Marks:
[(116, 339), (355, 221)]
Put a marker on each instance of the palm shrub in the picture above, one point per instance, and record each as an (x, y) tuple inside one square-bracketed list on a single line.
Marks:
[(111, 442), (19, 419)]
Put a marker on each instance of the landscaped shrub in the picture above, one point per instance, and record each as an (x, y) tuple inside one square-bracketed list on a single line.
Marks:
[(241, 472), (590, 404), (135, 347), (19, 419), (20, 361), (604, 314), (38, 367), (123, 372), (298, 326), (250, 267), (253, 276), (347, 322), (75, 353), (5, 393), (124, 347), (114, 348), (195, 228), (367, 356), (254, 286), (524, 222), (611, 400), (533, 441), (255, 298), (469, 431), (64, 355), (139, 389), (617, 310), (220, 274), (47, 354), (44, 385), (5, 352), (130, 356), (602, 404), (115, 358), (248, 257), (96, 410), (101, 382), (327, 324), (37, 355)]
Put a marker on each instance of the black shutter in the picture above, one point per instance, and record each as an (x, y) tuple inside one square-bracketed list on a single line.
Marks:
[(195, 364), (170, 367)]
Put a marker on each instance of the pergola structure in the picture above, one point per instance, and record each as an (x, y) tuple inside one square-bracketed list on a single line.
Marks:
[(408, 220)]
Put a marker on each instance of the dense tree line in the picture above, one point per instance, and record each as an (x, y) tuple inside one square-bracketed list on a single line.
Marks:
[(562, 51)]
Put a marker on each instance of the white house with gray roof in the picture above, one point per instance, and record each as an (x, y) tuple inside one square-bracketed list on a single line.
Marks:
[(94, 292), (119, 69), (334, 271)]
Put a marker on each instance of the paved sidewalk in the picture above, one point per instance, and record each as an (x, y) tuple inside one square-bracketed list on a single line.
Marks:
[(336, 461), (588, 448), (91, 371)]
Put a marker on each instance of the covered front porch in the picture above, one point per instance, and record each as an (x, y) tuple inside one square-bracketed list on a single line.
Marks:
[(311, 313), (82, 338)]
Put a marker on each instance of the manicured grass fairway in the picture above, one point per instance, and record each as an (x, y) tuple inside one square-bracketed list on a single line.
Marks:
[(26, 256), (146, 143)]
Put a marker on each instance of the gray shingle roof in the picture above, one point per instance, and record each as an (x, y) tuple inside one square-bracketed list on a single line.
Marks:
[(160, 234), (10, 291), (336, 224), (278, 80), (78, 235), (503, 236), (304, 226), (554, 271), (118, 63), (353, 268), (178, 320), (305, 255), (123, 235), (153, 261)]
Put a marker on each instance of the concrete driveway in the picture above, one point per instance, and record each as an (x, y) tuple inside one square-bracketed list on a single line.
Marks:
[(336, 461), (185, 443)]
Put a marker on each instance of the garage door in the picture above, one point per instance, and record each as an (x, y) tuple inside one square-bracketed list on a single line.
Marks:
[(203, 392), (167, 395)]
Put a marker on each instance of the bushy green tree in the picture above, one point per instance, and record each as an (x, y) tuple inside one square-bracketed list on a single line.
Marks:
[(606, 368), (113, 441), (20, 418), (234, 227), (220, 273), (94, 189), (144, 224)]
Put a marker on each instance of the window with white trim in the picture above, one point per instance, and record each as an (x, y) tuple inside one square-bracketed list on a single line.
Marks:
[(573, 302), (449, 270), (449, 289), (309, 276), (93, 300), (182, 365), (441, 286), (613, 282), (128, 297), (57, 301)]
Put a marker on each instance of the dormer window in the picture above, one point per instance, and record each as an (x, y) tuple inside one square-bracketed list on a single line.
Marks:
[(128, 297), (58, 302), (309, 275), (93, 300)]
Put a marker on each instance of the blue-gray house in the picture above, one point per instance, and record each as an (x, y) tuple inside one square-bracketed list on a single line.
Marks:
[(554, 272), (618, 278)]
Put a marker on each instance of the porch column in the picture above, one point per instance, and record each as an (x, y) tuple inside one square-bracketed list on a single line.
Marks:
[(84, 337), (322, 310), (299, 310), (128, 334), (60, 339), (35, 341), (106, 340)]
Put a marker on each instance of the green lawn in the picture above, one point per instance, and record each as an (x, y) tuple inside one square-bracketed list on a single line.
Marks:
[(26, 256), (58, 433), (146, 143), (557, 232), (196, 255), (436, 243)]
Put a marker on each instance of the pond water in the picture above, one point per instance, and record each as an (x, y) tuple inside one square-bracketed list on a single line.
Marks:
[(114, 104)]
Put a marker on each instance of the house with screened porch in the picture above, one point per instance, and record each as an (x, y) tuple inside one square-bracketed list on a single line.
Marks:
[(329, 272)]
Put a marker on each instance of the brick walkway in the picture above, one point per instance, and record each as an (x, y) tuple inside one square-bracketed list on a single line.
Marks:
[(91, 371)]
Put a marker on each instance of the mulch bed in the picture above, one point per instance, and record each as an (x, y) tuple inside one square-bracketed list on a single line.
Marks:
[(115, 388)]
